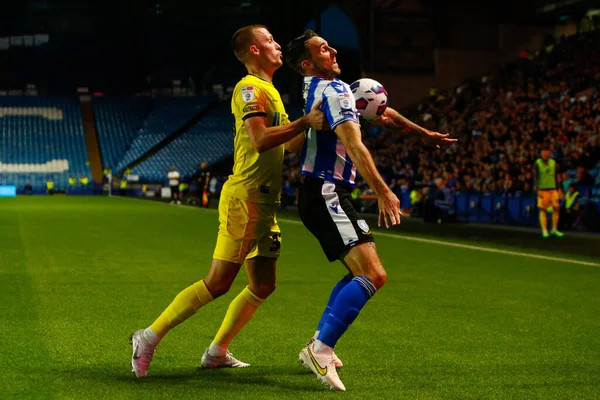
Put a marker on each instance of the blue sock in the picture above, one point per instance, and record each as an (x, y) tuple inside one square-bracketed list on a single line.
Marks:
[(346, 307), (336, 290)]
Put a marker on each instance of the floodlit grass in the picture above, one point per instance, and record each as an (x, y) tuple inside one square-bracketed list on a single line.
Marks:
[(78, 275)]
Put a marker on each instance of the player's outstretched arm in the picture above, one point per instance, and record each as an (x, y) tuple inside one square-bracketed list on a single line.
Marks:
[(389, 205), (265, 138), (393, 120)]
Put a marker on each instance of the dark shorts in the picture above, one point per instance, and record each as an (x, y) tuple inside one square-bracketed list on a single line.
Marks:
[(326, 210), (174, 190)]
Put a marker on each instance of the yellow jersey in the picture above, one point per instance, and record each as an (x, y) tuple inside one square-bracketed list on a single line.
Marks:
[(256, 177)]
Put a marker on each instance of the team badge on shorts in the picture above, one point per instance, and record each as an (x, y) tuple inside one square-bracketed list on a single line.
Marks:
[(362, 224)]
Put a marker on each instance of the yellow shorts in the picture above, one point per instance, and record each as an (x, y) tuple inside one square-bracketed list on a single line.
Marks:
[(246, 230), (548, 198)]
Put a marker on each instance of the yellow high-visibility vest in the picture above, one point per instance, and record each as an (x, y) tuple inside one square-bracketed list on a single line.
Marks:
[(570, 199), (415, 196)]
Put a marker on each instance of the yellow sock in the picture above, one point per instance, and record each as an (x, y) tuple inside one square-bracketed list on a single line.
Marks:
[(543, 221), (240, 311), (185, 304), (555, 216)]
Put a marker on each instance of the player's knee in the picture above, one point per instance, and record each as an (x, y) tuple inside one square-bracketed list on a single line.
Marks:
[(378, 276), (217, 288), (264, 289)]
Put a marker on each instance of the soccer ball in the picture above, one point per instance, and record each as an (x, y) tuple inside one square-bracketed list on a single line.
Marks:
[(371, 98)]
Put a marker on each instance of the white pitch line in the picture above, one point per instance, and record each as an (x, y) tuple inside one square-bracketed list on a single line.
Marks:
[(449, 244), (470, 247)]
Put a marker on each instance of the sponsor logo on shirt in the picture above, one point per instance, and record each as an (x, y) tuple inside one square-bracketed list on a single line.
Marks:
[(250, 108), (345, 102)]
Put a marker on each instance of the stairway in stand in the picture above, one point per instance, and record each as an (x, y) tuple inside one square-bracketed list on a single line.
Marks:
[(91, 138)]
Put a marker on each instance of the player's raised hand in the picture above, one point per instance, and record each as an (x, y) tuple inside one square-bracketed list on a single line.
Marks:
[(389, 209), (435, 139), (317, 119)]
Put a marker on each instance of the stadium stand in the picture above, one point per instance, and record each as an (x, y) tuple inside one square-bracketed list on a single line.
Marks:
[(42, 137), (168, 114), (118, 123), (210, 140)]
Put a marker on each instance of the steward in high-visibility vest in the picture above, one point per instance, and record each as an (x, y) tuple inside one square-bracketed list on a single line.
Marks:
[(50, 186), (415, 197), (571, 207), (572, 199)]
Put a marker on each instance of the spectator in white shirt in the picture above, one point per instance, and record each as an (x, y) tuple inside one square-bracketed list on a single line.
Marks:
[(174, 184)]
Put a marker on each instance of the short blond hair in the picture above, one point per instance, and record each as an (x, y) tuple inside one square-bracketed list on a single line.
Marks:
[(242, 39)]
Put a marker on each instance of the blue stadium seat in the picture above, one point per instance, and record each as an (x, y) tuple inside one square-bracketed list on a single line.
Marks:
[(513, 205), (210, 140), (487, 207), (118, 122), (168, 115), (499, 204), (462, 205), (41, 137)]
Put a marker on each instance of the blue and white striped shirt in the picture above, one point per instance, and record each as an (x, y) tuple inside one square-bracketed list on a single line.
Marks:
[(324, 155)]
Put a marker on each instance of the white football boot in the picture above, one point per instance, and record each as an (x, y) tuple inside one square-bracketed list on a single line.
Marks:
[(142, 353), (323, 366), (336, 361), (227, 361)]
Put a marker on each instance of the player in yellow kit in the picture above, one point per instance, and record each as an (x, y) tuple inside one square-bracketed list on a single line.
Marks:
[(545, 182), (248, 230)]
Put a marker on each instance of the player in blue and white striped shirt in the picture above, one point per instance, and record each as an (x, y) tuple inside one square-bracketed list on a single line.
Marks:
[(330, 160), (324, 155)]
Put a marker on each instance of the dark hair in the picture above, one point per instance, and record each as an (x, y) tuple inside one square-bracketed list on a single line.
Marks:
[(297, 51), (241, 40), (545, 146)]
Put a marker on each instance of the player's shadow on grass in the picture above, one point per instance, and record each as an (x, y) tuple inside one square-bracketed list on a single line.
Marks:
[(261, 376), (208, 378)]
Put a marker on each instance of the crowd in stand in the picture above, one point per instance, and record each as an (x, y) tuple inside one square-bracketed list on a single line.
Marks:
[(501, 121)]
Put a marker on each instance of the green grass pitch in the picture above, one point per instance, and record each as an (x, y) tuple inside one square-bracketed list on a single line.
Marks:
[(78, 275)]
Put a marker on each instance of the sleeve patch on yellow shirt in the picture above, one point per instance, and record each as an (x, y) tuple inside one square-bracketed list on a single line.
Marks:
[(248, 93)]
